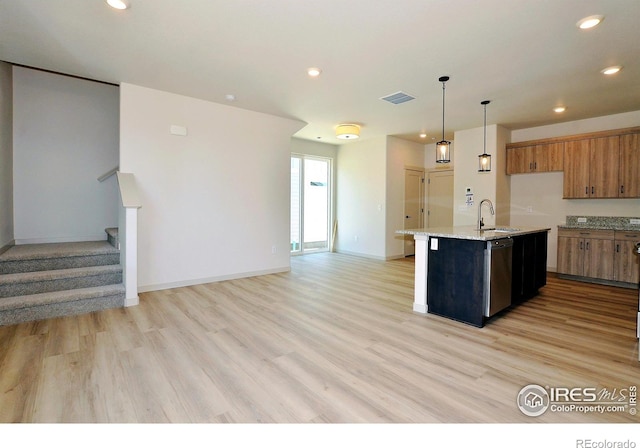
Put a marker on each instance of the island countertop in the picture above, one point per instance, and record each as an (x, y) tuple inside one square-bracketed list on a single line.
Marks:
[(470, 232)]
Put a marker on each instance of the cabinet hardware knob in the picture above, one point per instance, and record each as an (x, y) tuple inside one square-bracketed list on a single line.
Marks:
[(621, 188)]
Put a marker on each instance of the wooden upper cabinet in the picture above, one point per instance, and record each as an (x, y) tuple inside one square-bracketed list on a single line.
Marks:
[(629, 173), (537, 158), (591, 168), (604, 167), (549, 157), (577, 156), (597, 165)]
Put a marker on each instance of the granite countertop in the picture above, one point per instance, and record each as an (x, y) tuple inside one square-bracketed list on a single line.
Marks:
[(602, 223), (470, 232)]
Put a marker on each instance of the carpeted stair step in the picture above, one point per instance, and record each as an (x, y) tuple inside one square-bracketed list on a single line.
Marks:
[(32, 307), (113, 237), (50, 256), (27, 283)]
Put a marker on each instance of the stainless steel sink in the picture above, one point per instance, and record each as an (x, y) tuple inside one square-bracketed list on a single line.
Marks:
[(501, 229), (506, 229)]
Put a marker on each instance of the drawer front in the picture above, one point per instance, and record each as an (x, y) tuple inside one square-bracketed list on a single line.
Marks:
[(621, 235), (587, 233)]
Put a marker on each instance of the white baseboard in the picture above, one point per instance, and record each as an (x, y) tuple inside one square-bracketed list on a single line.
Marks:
[(7, 246), (420, 308), (200, 281)]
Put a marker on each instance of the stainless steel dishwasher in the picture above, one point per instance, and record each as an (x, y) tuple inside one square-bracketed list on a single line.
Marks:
[(498, 274)]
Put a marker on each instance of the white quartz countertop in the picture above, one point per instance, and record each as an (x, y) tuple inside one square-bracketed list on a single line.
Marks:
[(470, 232)]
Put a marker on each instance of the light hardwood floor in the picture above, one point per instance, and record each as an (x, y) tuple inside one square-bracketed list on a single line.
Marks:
[(334, 340)]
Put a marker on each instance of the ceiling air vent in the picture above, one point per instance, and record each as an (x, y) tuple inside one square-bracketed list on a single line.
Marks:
[(398, 98)]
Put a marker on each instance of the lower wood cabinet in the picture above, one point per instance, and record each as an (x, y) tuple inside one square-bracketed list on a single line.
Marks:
[(626, 260), (598, 254)]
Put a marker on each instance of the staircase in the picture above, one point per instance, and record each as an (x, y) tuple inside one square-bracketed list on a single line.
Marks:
[(40, 281)]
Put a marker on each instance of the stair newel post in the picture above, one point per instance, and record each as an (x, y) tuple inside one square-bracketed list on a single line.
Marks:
[(129, 237)]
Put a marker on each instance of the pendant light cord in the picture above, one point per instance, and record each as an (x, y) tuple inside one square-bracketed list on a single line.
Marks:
[(443, 110), (484, 151)]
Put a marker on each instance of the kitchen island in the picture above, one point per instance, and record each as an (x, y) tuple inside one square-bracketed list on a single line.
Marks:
[(470, 275)]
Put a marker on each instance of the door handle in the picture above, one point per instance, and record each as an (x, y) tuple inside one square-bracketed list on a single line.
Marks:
[(407, 217)]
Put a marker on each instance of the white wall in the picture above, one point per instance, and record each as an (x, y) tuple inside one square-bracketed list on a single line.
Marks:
[(361, 193), (215, 204), (401, 154), (6, 154), (470, 144), (65, 134), (542, 193)]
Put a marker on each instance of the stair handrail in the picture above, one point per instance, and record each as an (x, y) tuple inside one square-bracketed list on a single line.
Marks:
[(109, 173)]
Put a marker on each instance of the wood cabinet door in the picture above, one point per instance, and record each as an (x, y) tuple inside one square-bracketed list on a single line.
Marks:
[(629, 172), (576, 169), (627, 262), (518, 160), (570, 255), (604, 161), (598, 258), (549, 157)]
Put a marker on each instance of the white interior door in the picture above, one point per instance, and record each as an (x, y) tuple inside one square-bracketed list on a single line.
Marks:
[(413, 206), (440, 199)]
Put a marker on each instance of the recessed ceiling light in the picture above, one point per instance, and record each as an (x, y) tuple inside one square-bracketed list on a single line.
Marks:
[(314, 72), (559, 109), (589, 22), (229, 97), (118, 4), (423, 135), (611, 70)]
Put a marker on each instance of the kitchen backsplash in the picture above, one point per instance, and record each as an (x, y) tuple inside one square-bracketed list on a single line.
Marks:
[(604, 222)]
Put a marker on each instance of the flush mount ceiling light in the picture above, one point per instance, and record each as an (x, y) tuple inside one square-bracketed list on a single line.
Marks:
[(589, 22), (118, 4), (611, 70), (348, 131), (423, 135), (559, 109), (314, 72), (442, 147), (484, 159)]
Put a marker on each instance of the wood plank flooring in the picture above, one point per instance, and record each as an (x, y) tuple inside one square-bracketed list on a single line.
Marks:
[(334, 340)]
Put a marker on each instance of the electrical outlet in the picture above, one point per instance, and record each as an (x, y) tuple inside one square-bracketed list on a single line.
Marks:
[(530, 209), (274, 249), (582, 220), (634, 221)]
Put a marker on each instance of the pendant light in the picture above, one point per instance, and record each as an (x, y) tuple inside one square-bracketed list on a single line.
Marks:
[(442, 147), (484, 159)]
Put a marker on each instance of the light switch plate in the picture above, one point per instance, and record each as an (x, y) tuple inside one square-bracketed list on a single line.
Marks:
[(178, 130)]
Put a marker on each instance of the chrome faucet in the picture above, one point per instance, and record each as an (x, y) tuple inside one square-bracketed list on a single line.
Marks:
[(480, 220)]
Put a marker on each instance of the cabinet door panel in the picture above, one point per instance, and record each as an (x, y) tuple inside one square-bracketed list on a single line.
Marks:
[(629, 174), (576, 169), (570, 255), (518, 160), (598, 260), (603, 177), (549, 157), (627, 262)]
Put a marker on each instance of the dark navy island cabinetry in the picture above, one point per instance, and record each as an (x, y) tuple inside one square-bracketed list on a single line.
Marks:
[(470, 275)]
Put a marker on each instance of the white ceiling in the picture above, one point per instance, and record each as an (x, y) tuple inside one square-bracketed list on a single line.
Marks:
[(526, 56)]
